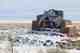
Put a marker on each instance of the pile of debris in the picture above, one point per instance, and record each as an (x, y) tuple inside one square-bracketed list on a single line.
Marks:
[(36, 39), (48, 29)]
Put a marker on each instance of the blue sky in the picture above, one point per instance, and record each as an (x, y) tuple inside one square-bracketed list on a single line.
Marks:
[(28, 9)]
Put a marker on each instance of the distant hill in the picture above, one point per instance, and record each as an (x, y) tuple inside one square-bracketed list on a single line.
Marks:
[(15, 24)]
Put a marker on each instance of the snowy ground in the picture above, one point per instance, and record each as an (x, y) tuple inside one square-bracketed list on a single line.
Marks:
[(8, 42)]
